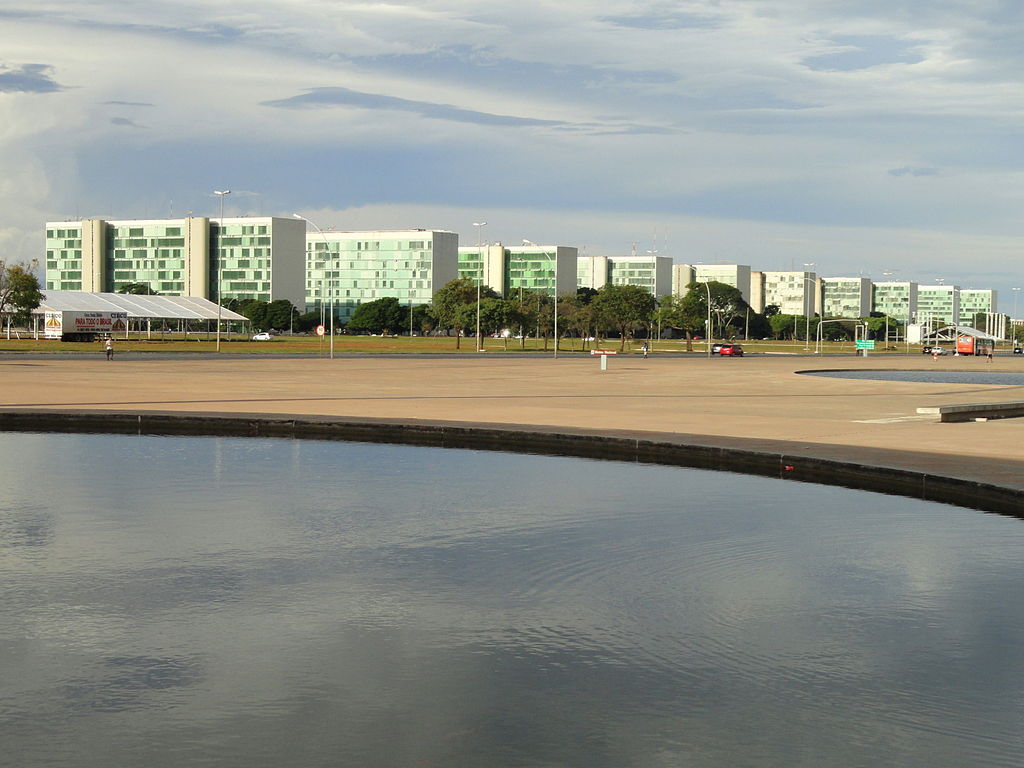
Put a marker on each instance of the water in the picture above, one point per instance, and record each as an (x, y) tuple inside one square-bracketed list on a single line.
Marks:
[(930, 377), (224, 602)]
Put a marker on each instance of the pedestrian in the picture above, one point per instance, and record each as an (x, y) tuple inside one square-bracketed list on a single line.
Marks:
[(645, 348), (110, 348), (988, 353)]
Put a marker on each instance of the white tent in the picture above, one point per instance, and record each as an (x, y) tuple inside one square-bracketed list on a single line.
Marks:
[(137, 307)]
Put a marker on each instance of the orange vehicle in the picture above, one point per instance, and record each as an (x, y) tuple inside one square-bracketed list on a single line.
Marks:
[(966, 345)]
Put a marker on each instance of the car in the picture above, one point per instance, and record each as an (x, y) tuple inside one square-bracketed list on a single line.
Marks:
[(731, 350), (1018, 350), (716, 348), (264, 336), (935, 351)]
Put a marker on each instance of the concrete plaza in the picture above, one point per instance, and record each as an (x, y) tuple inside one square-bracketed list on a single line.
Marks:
[(759, 403)]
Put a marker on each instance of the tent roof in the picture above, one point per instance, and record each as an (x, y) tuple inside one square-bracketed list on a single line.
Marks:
[(950, 332), (137, 307)]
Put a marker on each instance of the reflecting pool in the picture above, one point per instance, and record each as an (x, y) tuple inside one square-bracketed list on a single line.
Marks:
[(231, 602)]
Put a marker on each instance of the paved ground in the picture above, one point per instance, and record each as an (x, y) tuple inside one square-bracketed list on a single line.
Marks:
[(756, 402)]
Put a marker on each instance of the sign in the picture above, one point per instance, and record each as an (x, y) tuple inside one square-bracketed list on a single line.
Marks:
[(319, 330), (603, 352), (868, 344)]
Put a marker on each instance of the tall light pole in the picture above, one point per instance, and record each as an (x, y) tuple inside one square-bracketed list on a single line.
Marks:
[(480, 254), (554, 259), (327, 256), (221, 193), (813, 307), (708, 289)]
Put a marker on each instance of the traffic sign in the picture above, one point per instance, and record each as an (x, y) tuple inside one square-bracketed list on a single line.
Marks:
[(319, 330), (868, 344)]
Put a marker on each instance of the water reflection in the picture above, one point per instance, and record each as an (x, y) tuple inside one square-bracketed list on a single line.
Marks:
[(177, 601)]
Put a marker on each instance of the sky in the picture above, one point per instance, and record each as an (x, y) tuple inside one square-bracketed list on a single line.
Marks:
[(868, 138)]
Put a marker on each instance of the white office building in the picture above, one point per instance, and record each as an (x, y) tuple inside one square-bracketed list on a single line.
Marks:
[(736, 275)]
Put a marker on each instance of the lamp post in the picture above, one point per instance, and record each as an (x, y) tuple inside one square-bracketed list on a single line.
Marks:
[(327, 255), (480, 254), (221, 193), (708, 289), (554, 292), (1013, 320), (813, 307)]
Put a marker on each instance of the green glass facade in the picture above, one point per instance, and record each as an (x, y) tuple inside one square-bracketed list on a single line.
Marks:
[(242, 255), (346, 269), (531, 270), (471, 264), (897, 300), (938, 303), (153, 254), (64, 257)]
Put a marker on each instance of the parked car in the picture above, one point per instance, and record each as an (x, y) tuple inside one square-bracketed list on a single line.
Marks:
[(731, 350), (264, 336)]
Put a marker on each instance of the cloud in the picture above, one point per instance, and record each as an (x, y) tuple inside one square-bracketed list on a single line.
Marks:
[(908, 170), (28, 78), (863, 52), (343, 97), (129, 103), (124, 121)]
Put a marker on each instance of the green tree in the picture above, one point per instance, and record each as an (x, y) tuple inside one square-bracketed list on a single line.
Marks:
[(450, 302), (683, 313), (255, 310), (384, 315), (624, 307), (137, 289), (781, 324), (279, 314), (19, 291)]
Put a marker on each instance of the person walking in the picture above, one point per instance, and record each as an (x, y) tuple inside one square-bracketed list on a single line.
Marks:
[(110, 348), (645, 348)]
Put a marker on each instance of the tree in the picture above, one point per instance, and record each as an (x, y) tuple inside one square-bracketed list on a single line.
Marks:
[(384, 315), (137, 289), (450, 302), (19, 291), (781, 324), (625, 307), (279, 314), (682, 313)]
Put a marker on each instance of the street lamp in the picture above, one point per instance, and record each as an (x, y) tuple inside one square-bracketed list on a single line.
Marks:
[(708, 289), (221, 193), (813, 307), (327, 256), (480, 254), (554, 259)]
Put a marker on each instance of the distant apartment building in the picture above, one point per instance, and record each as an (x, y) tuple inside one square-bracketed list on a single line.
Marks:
[(652, 273), (794, 293), (938, 304), (346, 269), (845, 297), (507, 269), (736, 275), (234, 258), (895, 299), (974, 302)]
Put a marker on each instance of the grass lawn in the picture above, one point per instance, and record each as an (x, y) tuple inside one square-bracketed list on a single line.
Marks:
[(312, 345)]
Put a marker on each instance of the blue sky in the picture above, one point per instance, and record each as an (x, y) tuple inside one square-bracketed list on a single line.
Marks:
[(864, 137)]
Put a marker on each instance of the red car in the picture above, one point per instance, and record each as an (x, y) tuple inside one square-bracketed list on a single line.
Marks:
[(733, 350)]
